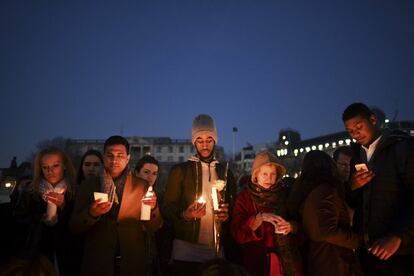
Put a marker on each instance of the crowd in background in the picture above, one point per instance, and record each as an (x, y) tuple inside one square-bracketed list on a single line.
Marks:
[(349, 214)]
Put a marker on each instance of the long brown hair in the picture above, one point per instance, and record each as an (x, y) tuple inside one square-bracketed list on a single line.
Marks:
[(69, 174), (317, 168)]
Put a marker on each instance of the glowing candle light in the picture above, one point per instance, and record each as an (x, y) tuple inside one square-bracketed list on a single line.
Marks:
[(201, 200)]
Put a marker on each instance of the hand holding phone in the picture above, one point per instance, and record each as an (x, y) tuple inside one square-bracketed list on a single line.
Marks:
[(361, 177)]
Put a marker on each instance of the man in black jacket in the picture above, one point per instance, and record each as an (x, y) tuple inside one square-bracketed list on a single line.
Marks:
[(196, 225), (385, 210)]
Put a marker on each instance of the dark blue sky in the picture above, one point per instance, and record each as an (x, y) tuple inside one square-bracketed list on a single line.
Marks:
[(87, 69)]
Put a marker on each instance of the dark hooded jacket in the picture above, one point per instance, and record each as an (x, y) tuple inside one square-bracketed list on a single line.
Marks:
[(183, 187), (385, 206)]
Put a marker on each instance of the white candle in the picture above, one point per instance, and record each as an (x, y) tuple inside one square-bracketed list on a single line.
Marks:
[(51, 210), (145, 208), (215, 199)]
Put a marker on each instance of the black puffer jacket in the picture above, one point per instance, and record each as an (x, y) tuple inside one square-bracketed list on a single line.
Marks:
[(386, 205)]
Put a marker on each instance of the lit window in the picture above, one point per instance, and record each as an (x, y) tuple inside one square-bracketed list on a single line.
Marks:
[(286, 143), (320, 147), (308, 149), (283, 137), (353, 140), (296, 175), (334, 145), (313, 147), (326, 145), (348, 141), (387, 121), (278, 152), (301, 150), (340, 142)]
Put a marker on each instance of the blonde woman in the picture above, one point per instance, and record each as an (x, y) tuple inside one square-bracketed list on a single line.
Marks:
[(44, 209), (260, 223)]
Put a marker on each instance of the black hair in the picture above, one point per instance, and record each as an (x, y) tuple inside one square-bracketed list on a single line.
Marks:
[(356, 109), (345, 150), (116, 140), (145, 160)]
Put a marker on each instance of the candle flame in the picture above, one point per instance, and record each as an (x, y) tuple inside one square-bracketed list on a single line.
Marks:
[(201, 200)]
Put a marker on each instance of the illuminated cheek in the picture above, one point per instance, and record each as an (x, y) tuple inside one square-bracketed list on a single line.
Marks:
[(261, 179)]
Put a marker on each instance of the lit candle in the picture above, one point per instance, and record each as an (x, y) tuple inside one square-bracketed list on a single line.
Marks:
[(145, 208), (201, 200)]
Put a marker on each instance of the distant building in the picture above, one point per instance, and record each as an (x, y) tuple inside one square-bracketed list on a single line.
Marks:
[(166, 150), (290, 149)]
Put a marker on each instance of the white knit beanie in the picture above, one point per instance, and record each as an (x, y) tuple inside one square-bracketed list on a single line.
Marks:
[(203, 124)]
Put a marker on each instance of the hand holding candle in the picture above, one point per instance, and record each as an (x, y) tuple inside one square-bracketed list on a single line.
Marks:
[(201, 202), (197, 209), (223, 212), (149, 202), (217, 193)]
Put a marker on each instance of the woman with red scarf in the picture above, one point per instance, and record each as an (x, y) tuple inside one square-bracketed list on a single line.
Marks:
[(259, 222)]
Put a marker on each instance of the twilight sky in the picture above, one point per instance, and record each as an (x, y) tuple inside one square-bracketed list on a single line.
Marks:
[(91, 69)]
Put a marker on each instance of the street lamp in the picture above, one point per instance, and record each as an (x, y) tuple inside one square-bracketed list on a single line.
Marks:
[(235, 129)]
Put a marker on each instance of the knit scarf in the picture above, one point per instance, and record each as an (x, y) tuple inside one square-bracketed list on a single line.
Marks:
[(262, 196), (45, 188), (108, 186), (285, 249)]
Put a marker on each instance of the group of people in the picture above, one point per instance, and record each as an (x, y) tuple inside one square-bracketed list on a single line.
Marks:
[(333, 219)]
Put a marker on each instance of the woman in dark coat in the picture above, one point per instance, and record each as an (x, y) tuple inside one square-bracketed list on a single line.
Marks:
[(319, 196), (90, 165), (43, 209)]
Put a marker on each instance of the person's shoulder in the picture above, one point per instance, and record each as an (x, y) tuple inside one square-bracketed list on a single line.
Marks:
[(243, 195), (90, 182), (135, 178), (182, 166), (324, 190), (396, 136), (88, 186)]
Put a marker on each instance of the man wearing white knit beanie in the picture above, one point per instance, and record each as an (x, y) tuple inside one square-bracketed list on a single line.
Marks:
[(189, 203)]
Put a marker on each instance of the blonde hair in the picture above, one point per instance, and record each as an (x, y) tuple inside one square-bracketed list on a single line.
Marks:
[(256, 172), (69, 174)]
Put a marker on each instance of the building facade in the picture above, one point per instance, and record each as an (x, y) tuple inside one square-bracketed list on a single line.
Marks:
[(290, 149)]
